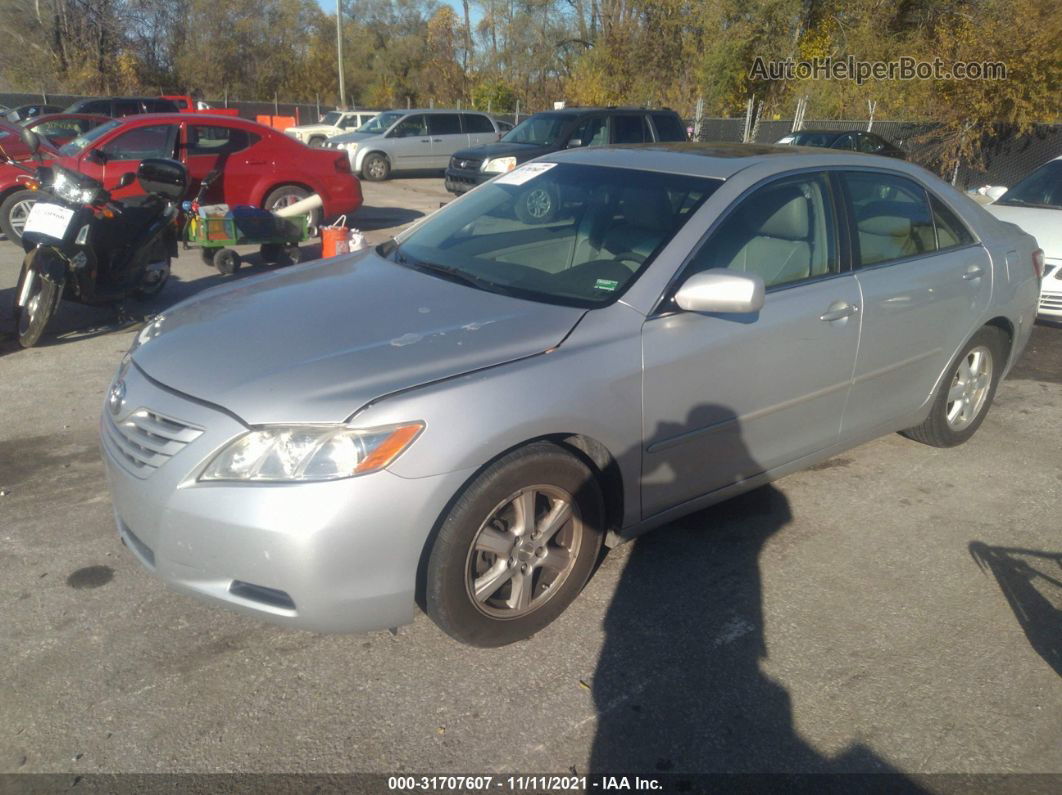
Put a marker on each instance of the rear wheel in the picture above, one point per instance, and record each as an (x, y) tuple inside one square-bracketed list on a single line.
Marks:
[(14, 211), (227, 261), (316, 141), (156, 274), (36, 299), (287, 195), (516, 547), (966, 392)]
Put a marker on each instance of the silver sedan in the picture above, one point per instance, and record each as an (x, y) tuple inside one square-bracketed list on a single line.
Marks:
[(580, 350)]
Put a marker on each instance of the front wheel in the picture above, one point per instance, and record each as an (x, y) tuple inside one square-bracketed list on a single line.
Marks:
[(516, 547), (156, 274), (36, 299), (966, 392), (14, 211), (376, 167)]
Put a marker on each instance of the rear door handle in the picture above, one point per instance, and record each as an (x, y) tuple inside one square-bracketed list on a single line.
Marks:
[(973, 272), (838, 311)]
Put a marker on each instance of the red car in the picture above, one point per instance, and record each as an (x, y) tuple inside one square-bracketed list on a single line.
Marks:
[(259, 166)]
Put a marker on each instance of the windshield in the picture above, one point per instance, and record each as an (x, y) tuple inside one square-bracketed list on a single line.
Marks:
[(332, 118), (1042, 188), (79, 144), (809, 139), (560, 233), (542, 129), (380, 122)]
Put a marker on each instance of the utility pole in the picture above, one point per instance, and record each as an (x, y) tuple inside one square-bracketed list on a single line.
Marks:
[(339, 52)]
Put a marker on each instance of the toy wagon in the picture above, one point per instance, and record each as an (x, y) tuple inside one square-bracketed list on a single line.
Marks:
[(216, 229)]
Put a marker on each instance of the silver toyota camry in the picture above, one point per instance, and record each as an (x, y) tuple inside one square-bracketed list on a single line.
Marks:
[(584, 348)]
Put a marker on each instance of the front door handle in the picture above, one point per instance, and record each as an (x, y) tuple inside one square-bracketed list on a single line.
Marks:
[(425, 140), (255, 162), (973, 272), (839, 310)]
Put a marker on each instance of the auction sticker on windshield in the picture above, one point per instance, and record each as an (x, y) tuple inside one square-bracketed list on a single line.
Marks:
[(48, 219), (524, 174)]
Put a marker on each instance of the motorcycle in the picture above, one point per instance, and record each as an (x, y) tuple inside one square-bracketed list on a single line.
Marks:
[(83, 246)]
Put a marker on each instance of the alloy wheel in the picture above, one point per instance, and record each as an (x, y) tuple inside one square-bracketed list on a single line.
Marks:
[(969, 388)]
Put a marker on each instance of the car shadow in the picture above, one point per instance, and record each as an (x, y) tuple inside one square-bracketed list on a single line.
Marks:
[(679, 687), (1031, 581), (369, 218)]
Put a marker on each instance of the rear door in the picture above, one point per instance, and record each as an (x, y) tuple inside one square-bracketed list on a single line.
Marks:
[(925, 283), (122, 152), (446, 137), (230, 150), (479, 128)]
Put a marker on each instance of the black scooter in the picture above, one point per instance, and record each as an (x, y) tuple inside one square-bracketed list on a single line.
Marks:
[(83, 246)]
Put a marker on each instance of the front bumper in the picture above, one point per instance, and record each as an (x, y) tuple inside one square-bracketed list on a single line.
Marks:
[(339, 556), (459, 180), (1051, 291)]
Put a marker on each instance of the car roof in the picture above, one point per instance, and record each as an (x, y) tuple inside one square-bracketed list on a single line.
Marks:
[(580, 110), (721, 160)]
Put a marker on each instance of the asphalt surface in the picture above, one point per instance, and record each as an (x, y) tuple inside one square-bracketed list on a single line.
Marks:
[(896, 608)]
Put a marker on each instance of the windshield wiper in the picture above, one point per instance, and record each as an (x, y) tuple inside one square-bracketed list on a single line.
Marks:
[(453, 274)]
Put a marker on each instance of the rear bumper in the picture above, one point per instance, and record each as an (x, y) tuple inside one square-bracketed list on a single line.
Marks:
[(343, 197), (463, 180)]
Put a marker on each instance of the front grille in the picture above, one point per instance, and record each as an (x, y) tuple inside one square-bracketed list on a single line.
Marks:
[(466, 163), (145, 440)]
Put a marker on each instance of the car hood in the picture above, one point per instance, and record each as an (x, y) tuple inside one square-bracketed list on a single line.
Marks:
[(310, 128), (1043, 224), (522, 152), (317, 342)]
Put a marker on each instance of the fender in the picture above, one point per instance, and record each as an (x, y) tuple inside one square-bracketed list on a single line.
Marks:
[(48, 262)]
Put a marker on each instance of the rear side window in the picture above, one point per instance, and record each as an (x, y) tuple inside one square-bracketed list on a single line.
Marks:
[(870, 143), (892, 217), (160, 106), (783, 232), (951, 231), (126, 107), (444, 124), (668, 127), (846, 141), (94, 106), (630, 130), (209, 140), (155, 140), (474, 123)]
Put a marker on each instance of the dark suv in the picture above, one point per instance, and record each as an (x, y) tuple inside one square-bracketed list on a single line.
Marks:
[(554, 130), (117, 107)]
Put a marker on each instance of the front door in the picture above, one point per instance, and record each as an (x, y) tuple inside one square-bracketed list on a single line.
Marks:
[(408, 143), (727, 397), (122, 153), (925, 283)]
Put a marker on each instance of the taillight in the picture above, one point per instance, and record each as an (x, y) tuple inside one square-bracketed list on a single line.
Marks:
[(342, 164), (1038, 263)]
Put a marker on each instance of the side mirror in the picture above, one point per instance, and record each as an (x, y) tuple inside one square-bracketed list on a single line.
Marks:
[(127, 179), (721, 290), (30, 139), (96, 156), (575, 143)]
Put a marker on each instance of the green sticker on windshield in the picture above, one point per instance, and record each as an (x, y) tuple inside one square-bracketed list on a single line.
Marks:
[(606, 284)]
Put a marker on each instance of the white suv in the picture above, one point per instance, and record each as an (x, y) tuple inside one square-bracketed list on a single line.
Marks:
[(335, 122)]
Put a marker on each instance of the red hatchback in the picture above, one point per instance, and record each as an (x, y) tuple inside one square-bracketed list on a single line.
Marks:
[(259, 166)]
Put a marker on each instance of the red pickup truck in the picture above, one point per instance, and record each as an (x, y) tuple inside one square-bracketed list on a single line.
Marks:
[(186, 104)]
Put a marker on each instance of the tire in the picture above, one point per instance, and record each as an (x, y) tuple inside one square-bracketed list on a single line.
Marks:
[(207, 255), (316, 141), (33, 313), (227, 261), (150, 290), (483, 539), (13, 213), (376, 167), (537, 205), (966, 392), (289, 194), (293, 253)]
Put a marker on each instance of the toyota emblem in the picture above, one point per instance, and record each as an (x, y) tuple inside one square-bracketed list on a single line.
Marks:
[(116, 397)]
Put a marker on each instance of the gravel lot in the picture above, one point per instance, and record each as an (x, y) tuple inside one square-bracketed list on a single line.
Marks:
[(896, 608)]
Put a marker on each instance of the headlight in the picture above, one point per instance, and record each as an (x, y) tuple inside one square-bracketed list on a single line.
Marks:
[(69, 191), (351, 147), (499, 165), (310, 452)]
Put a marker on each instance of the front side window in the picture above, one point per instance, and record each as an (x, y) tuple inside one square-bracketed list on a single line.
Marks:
[(154, 140), (784, 232), (870, 144), (591, 132), (891, 216), (126, 107), (559, 233), (331, 118), (410, 127), (542, 129), (380, 122), (82, 142), (846, 141), (348, 122), (211, 140)]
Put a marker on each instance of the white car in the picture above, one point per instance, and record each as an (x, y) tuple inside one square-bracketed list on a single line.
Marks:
[(1035, 204), (335, 122)]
